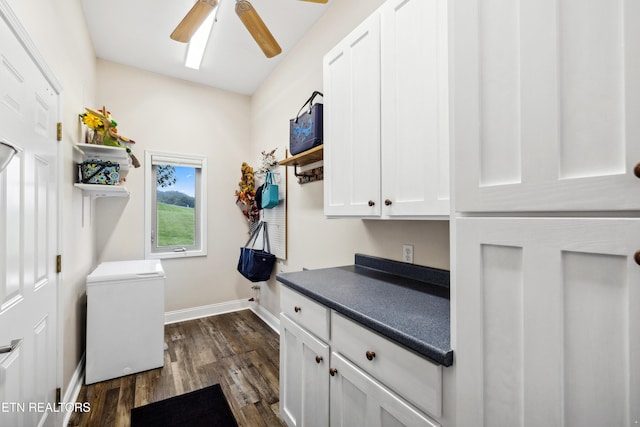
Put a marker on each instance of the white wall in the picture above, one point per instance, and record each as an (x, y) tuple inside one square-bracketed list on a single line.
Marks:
[(315, 241), (168, 114), (58, 29)]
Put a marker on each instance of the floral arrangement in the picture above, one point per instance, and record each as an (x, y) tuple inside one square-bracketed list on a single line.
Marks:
[(246, 196), (104, 131), (269, 161)]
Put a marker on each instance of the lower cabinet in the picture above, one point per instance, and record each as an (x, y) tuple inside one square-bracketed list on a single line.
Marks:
[(322, 385), (359, 400), (547, 317), (304, 376)]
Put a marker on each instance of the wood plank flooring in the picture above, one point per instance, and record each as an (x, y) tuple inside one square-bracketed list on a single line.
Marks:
[(236, 350)]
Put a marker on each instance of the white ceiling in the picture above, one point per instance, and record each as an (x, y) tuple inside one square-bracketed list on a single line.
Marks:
[(136, 33)]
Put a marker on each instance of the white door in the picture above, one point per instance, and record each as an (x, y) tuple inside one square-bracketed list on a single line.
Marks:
[(546, 105), (357, 400), (548, 326), (415, 119), (28, 239), (352, 123), (304, 377)]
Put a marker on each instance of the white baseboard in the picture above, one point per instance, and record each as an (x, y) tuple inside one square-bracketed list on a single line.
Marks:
[(226, 307), (72, 391), (267, 317), (205, 311)]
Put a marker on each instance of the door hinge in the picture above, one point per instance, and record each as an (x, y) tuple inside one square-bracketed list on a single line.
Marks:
[(59, 131), (58, 397), (59, 264)]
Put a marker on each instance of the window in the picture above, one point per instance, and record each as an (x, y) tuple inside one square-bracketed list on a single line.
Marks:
[(175, 205)]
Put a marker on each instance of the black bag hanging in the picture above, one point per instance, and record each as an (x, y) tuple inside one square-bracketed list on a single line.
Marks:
[(257, 264), (305, 131)]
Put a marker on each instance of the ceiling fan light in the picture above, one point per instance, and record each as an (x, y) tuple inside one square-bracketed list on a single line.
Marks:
[(198, 42), (257, 28)]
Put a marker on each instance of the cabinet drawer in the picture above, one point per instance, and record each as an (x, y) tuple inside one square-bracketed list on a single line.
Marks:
[(306, 312), (411, 376)]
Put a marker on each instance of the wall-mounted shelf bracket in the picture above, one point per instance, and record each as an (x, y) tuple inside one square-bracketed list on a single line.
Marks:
[(305, 158)]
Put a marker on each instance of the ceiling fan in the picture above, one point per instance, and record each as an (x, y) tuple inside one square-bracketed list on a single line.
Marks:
[(247, 14)]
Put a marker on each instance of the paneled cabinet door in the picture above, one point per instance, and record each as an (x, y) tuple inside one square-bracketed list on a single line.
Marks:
[(304, 377), (352, 123), (415, 128), (357, 400), (547, 317), (546, 105)]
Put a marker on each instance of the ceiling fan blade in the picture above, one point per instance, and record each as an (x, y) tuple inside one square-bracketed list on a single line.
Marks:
[(193, 19), (257, 28), (317, 1)]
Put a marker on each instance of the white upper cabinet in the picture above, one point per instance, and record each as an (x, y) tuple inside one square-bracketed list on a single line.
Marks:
[(386, 115), (415, 116), (546, 105), (352, 123)]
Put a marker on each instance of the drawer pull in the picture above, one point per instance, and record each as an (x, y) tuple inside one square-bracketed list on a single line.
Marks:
[(636, 257), (297, 309), (388, 202), (318, 359), (372, 203), (636, 170), (370, 355), (333, 372)]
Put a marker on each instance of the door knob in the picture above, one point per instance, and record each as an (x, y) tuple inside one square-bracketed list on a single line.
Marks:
[(636, 170), (372, 203), (388, 202), (333, 372), (9, 348), (318, 359), (636, 257), (370, 355), (297, 309)]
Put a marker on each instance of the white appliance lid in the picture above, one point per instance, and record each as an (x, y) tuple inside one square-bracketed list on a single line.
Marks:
[(126, 270)]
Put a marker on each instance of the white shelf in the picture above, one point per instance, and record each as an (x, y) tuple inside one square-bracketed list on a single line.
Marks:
[(99, 190)]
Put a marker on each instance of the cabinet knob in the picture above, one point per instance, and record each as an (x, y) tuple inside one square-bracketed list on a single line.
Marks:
[(333, 372), (372, 203), (636, 257), (370, 355), (318, 359), (387, 202), (636, 170), (297, 309)]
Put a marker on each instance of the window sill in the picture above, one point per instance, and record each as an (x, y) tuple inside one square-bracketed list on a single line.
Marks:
[(180, 254)]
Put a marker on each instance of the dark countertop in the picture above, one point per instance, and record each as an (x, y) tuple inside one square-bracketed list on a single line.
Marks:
[(406, 303)]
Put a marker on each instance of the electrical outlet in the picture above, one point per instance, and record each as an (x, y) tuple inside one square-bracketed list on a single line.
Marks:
[(407, 253)]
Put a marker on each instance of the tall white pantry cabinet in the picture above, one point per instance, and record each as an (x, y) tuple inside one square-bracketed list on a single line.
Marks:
[(546, 134)]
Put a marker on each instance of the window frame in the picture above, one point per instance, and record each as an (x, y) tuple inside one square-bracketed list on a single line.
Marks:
[(150, 187)]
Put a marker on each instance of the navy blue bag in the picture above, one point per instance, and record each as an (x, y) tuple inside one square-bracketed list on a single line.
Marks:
[(305, 131), (257, 264)]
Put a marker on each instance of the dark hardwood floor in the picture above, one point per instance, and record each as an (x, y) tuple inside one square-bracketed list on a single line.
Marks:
[(236, 350)]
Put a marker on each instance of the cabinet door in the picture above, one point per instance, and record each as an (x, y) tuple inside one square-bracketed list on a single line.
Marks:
[(352, 123), (304, 377), (357, 400), (547, 318), (415, 127), (545, 105)]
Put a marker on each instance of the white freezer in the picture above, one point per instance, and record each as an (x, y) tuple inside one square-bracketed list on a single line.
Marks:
[(125, 319)]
